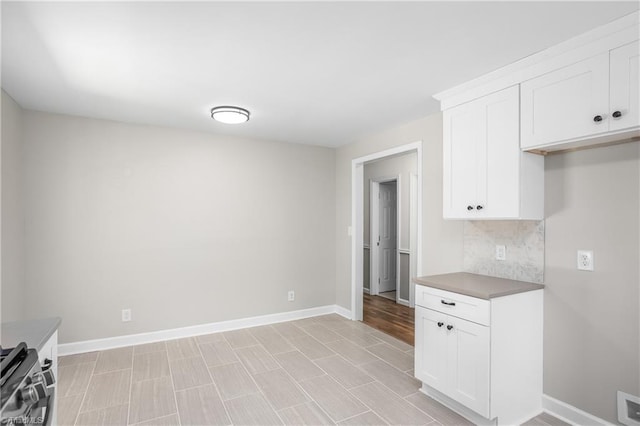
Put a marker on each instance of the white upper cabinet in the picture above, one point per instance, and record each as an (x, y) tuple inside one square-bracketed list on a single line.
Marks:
[(486, 176), (592, 99), (625, 87), (569, 103)]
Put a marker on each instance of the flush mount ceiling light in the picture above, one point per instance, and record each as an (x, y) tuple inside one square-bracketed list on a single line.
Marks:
[(230, 114)]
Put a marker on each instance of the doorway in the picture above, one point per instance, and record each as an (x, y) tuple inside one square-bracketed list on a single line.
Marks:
[(358, 229)]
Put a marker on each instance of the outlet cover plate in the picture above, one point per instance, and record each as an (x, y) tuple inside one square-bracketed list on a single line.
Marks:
[(501, 252), (585, 260), (628, 411)]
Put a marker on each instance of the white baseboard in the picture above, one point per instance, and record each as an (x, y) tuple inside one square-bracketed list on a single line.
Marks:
[(569, 413), (196, 330), (559, 409), (366, 290), (402, 302), (342, 311)]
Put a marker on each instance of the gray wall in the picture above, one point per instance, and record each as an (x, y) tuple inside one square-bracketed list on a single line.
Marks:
[(12, 249), (184, 228), (441, 240), (592, 322), (405, 276)]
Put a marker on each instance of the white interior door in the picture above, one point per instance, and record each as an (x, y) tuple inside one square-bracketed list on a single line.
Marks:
[(387, 243)]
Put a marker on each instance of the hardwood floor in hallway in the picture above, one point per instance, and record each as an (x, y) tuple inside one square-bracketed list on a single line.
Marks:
[(389, 317)]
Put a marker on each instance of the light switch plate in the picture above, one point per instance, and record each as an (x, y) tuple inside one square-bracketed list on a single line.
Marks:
[(501, 252)]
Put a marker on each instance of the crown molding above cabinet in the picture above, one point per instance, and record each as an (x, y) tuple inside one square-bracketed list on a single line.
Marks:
[(599, 40)]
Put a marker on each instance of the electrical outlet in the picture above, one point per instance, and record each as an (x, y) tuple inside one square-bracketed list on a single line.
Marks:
[(585, 260), (291, 296), (126, 315), (501, 252)]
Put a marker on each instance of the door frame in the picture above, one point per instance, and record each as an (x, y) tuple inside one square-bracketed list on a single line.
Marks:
[(374, 231), (357, 221)]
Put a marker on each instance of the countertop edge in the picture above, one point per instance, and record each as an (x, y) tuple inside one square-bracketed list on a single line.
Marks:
[(34, 332), (428, 281)]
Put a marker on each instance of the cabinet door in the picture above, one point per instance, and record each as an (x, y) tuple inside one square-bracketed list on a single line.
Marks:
[(468, 357), (462, 141), (625, 86), (482, 157), (500, 164), (562, 104), (431, 348)]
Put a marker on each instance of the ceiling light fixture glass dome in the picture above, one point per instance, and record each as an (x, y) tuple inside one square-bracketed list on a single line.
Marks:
[(230, 114)]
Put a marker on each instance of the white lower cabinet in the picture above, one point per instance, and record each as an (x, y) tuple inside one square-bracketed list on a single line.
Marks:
[(485, 365)]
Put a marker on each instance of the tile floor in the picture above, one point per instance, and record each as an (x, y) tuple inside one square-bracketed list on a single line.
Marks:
[(322, 370)]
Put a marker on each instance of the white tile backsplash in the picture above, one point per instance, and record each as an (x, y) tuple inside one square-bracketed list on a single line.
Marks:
[(524, 241)]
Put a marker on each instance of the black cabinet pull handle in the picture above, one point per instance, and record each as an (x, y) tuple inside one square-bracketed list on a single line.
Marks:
[(449, 327), (479, 208), (597, 118), (617, 114), (440, 324), (469, 207), (448, 303)]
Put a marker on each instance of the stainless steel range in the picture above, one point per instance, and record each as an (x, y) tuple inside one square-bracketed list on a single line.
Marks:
[(28, 389)]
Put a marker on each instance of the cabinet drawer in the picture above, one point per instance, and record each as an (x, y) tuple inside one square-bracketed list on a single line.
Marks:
[(458, 305)]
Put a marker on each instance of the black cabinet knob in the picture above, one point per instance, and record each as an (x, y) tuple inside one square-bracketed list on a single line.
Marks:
[(479, 208), (449, 327), (469, 207), (440, 324), (617, 114), (597, 118)]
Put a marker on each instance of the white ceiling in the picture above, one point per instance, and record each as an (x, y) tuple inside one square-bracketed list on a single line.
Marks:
[(321, 73)]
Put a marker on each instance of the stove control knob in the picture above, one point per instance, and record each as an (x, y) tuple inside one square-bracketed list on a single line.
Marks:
[(33, 393), (46, 377)]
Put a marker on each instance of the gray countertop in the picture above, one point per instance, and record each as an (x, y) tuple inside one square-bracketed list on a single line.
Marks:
[(480, 286), (34, 332)]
